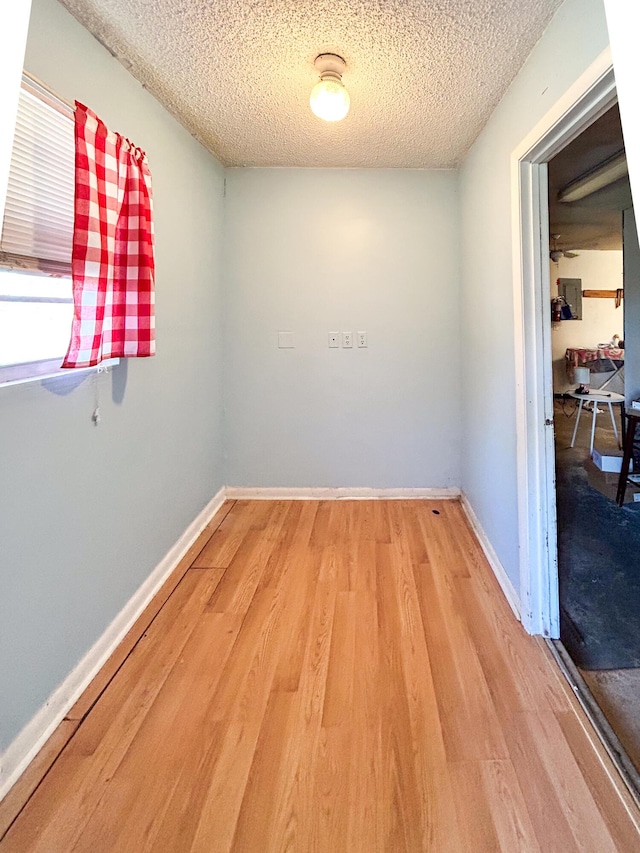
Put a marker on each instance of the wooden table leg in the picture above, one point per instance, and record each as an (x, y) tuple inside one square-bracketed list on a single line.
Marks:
[(626, 460)]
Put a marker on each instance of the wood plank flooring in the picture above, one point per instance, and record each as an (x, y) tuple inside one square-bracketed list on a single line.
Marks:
[(328, 677)]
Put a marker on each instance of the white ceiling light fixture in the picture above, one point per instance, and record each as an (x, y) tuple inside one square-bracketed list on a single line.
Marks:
[(329, 99), (602, 176)]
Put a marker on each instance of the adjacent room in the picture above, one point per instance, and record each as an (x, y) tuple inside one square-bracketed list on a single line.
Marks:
[(592, 257), (267, 574)]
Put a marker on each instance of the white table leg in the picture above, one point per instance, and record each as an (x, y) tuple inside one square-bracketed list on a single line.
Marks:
[(593, 425), (613, 421), (575, 429)]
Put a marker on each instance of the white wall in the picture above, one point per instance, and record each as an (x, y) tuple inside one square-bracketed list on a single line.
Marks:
[(601, 320), (622, 18), (575, 37), (632, 306), (313, 251), (88, 512)]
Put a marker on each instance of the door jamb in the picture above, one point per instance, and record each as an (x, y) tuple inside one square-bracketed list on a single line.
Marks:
[(589, 98)]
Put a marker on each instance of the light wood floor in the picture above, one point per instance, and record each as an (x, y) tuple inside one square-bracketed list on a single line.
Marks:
[(329, 677)]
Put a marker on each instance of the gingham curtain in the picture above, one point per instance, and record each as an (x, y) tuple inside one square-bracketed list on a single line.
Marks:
[(112, 261)]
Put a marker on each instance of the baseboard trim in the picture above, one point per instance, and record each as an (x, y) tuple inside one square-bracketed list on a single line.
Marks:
[(498, 569), (345, 493), (27, 744)]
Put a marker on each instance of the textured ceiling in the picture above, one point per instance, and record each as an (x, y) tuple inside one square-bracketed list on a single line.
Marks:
[(423, 76)]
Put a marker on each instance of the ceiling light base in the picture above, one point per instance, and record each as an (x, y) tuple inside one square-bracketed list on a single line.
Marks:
[(330, 65)]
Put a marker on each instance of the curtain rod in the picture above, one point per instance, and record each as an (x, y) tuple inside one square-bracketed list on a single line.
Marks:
[(52, 98)]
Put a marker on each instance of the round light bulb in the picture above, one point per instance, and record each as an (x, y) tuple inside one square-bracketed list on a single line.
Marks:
[(329, 100)]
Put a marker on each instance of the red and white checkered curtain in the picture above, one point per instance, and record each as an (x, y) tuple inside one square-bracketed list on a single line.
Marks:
[(112, 261)]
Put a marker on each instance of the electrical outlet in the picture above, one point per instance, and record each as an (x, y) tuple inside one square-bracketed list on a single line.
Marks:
[(334, 339), (361, 338), (347, 340)]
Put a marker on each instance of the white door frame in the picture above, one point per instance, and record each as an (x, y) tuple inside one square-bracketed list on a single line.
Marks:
[(591, 96)]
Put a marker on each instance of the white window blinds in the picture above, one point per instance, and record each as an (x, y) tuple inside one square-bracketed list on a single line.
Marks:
[(37, 231)]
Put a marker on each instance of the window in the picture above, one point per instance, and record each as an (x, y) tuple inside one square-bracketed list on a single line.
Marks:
[(36, 304)]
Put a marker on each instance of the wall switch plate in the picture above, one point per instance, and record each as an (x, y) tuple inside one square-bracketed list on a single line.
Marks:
[(334, 339), (285, 340), (361, 337), (347, 340)]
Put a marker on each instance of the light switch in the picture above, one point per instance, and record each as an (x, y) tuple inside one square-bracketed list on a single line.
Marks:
[(347, 340), (285, 340), (334, 339)]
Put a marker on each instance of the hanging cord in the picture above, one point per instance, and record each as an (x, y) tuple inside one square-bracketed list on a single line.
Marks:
[(95, 417), (562, 402)]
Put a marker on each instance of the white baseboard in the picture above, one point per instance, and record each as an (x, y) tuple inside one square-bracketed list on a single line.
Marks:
[(329, 494), (498, 569), (26, 745)]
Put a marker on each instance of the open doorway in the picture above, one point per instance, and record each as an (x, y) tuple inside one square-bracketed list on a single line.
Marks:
[(593, 95), (598, 541)]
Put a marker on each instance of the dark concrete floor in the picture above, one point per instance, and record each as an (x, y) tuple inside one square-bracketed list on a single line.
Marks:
[(617, 691)]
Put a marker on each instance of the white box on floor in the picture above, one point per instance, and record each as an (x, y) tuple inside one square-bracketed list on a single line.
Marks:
[(607, 484), (611, 461)]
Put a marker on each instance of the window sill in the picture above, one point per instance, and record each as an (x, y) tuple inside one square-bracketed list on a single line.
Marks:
[(35, 371)]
